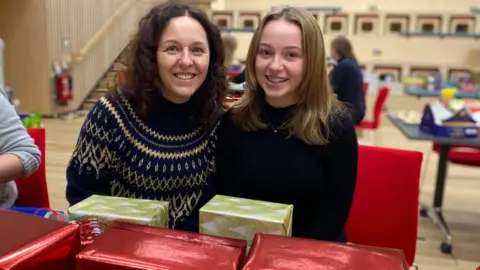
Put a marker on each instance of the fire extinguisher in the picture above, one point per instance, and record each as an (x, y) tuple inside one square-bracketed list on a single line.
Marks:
[(63, 83)]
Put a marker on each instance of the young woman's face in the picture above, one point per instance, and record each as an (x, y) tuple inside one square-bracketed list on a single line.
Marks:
[(183, 57), (279, 64)]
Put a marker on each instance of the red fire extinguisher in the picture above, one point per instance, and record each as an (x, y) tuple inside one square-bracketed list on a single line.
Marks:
[(64, 88)]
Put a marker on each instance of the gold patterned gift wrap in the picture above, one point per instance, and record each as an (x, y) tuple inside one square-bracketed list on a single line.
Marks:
[(106, 208), (242, 218)]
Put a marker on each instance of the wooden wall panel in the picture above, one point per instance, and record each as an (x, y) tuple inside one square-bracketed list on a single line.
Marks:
[(22, 27)]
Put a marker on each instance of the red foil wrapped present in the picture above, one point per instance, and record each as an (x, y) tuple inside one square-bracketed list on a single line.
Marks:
[(186, 236), (89, 229), (118, 249), (31, 242), (286, 253)]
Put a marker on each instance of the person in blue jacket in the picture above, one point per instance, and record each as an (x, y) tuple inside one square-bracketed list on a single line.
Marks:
[(346, 78)]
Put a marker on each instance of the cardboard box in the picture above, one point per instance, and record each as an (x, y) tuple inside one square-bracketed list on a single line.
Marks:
[(440, 122)]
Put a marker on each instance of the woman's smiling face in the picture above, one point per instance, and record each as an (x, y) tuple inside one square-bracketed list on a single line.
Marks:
[(183, 58), (279, 64)]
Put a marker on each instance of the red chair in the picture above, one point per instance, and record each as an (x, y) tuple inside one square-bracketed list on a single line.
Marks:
[(32, 191), (458, 154), (233, 73), (377, 113), (365, 88), (384, 212)]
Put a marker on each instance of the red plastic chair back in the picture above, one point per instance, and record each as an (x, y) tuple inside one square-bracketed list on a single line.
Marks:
[(384, 212), (379, 103), (233, 73), (32, 191), (365, 88)]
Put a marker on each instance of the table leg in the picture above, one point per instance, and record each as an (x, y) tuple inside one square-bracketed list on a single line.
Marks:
[(437, 214)]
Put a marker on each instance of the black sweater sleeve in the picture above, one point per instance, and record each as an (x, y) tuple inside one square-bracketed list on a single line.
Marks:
[(340, 179)]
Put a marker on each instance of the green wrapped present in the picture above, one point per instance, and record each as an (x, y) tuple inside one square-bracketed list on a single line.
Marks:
[(243, 218), (31, 120), (106, 208)]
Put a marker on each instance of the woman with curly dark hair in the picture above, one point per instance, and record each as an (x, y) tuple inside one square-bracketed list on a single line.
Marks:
[(154, 137)]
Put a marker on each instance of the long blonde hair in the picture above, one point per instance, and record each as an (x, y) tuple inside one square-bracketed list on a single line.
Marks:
[(317, 104)]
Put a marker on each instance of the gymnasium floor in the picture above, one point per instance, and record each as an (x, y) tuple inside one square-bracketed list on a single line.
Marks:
[(461, 204)]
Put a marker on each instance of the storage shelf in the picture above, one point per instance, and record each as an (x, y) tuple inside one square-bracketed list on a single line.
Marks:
[(332, 9), (440, 35), (421, 34), (237, 29), (475, 9)]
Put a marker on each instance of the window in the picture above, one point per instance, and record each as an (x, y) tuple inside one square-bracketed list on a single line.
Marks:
[(427, 27), (248, 24), (388, 77), (336, 26), (222, 23), (367, 26), (395, 27), (461, 28)]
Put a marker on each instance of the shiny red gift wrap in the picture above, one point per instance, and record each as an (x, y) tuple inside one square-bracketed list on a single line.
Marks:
[(89, 229), (118, 249), (29, 242), (287, 253), (187, 236)]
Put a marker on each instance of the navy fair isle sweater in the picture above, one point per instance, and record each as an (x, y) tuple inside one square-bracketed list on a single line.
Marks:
[(162, 158)]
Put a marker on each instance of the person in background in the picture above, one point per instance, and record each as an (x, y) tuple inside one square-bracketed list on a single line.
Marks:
[(230, 45), (289, 140), (19, 156), (346, 78), (238, 79), (154, 137)]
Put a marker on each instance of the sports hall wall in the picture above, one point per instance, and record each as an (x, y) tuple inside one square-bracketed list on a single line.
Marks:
[(400, 38)]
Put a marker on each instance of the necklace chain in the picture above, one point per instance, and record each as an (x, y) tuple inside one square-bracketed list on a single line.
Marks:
[(273, 127)]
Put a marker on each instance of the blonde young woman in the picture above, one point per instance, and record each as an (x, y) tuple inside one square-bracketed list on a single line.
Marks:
[(289, 140)]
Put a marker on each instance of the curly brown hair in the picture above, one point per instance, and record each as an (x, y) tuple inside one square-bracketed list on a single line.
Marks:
[(142, 75)]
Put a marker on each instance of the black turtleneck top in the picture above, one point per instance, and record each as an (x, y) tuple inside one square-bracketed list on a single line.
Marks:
[(165, 157), (266, 165)]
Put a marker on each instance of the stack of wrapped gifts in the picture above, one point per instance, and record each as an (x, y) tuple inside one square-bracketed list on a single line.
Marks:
[(123, 233)]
